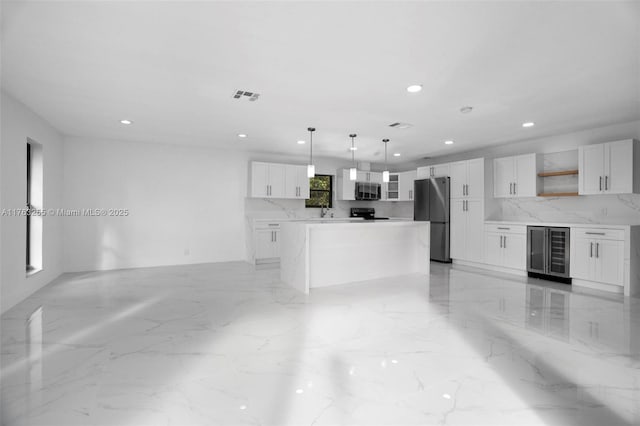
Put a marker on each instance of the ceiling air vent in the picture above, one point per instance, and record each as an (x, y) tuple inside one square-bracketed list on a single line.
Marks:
[(243, 94), (399, 125)]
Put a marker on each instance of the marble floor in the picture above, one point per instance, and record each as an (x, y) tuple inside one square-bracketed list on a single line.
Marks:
[(226, 344)]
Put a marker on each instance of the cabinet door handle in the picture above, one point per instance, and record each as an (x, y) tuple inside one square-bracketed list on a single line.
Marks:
[(514, 189), (504, 244), (503, 228), (275, 237), (500, 241), (590, 249), (597, 250), (595, 233), (600, 183), (510, 188), (606, 183)]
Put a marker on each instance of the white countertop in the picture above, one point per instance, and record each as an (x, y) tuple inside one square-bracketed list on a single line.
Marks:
[(557, 224), (331, 219), (360, 223)]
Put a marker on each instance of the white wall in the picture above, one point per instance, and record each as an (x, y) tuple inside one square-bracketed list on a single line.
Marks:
[(18, 123), (606, 209), (186, 204)]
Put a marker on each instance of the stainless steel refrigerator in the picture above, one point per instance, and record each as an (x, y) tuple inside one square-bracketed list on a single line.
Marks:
[(431, 202)]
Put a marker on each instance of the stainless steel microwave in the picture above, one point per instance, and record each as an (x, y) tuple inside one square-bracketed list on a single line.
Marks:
[(368, 191)]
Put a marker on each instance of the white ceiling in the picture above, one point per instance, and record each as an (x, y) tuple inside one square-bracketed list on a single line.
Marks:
[(172, 68)]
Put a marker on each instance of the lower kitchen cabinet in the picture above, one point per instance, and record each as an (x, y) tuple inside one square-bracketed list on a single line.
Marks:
[(466, 229), (506, 246), (267, 242), (598, 255)]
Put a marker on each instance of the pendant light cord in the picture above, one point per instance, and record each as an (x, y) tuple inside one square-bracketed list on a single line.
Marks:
[(353, 151), (311, 130), (386, 166)]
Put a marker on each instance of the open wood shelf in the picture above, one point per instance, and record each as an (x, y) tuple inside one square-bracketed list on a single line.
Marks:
[(560, 173), (558, 194)]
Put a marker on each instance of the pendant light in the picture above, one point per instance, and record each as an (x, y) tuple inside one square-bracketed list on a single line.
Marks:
[(311, 169), (385, 173), (353, 171)]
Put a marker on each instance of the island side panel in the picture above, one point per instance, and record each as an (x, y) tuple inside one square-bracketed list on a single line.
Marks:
[(359, 252), (294, 256)]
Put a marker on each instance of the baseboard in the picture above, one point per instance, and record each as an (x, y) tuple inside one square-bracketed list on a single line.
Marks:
[(610, 288), (494, 268)]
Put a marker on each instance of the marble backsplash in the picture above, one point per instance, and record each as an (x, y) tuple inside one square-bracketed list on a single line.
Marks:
[(602, 209), (270, 208)]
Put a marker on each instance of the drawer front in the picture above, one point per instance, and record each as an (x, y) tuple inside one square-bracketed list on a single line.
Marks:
[(598, 233), (505, 229), (267, 225)]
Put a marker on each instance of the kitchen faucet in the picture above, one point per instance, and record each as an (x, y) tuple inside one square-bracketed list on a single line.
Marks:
[(324, 212)]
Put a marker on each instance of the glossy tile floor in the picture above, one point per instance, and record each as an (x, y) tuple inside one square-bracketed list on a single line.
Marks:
[(225, 344)]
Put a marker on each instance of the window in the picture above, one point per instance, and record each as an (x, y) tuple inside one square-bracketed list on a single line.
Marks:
[(320, 191), (29, 267), (34, 196)]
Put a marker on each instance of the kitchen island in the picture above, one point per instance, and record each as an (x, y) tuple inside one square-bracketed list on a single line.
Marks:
[(319, 254)]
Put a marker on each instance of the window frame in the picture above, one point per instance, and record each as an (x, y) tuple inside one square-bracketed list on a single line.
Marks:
[(28, 205), (311, 191)]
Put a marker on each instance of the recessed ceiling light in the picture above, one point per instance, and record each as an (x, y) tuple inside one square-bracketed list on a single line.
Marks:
[(528, 124), (242, 135), (301, 142), (126, 122), (448, 142), (466, 109), (397, 154), (353, 148), (414, 88)]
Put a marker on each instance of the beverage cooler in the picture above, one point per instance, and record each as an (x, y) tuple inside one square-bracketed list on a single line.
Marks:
[(548, 253)]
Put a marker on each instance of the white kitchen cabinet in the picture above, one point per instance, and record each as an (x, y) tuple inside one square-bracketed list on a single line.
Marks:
[(267, 180), (345, 188), (608, 168), (391, 189), (267, 242), (517, 176), (405, 185), (598, 255), (506, 246), (373, 177), (467, 178), (296, 182), (437, 170), (466, 229)]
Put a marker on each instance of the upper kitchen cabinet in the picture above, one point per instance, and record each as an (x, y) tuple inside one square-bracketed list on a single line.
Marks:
[(267, 180), (608, 168), (373, 177), (405, 185), (517, 176), (437, 170), (467, 178), (346, 188), (391, 189), (296, 182)]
